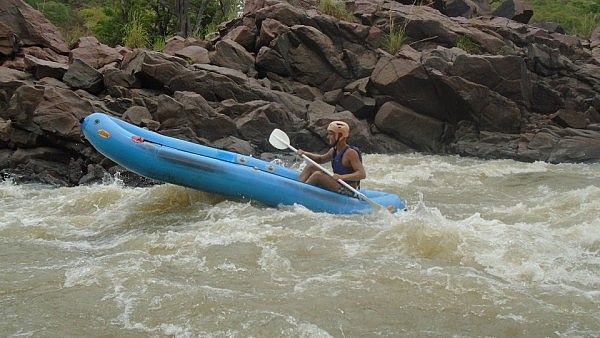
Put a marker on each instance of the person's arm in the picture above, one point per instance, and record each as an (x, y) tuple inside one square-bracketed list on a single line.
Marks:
[(319, 158), (359, 170)]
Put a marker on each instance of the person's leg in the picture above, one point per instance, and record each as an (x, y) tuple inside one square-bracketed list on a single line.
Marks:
[(308, 170), (324, 181)]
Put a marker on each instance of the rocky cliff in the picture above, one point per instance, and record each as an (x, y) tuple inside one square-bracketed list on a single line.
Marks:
[(519, 91)]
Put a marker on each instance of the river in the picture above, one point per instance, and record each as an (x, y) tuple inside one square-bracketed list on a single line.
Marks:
[(485, 248)]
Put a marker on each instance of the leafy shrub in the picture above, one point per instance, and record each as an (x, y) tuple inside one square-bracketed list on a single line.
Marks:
[(56, 12), (109, 28)]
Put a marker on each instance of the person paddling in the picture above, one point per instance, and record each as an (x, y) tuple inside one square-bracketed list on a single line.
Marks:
[(346, 162)]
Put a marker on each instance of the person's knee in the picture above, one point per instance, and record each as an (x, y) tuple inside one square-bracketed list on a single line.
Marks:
[(315, 178)]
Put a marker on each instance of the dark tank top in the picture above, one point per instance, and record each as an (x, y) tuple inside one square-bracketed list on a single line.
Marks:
[(339, 168)]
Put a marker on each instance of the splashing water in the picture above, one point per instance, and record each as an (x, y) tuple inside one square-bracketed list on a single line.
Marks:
[(486, 248)]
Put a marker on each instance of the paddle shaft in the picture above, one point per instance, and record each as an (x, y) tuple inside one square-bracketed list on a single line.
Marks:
[(340, 181)]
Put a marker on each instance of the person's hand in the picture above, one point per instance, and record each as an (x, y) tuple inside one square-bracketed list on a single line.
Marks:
[(300, 152), (336, 177)]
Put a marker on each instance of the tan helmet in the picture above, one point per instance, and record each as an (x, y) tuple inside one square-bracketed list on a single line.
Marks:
[(339, 127)]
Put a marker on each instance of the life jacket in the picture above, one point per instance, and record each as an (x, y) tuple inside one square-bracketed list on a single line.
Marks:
[(339, 168)]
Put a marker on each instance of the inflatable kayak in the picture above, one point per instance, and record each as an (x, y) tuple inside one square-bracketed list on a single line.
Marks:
[(188, 164)]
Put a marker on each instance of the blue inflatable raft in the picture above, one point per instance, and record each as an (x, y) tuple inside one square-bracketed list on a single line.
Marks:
[(217, 171)]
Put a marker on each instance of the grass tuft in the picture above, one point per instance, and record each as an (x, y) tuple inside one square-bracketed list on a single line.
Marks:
[(396, 38), (136, 35), (465, 43), (335, 8)]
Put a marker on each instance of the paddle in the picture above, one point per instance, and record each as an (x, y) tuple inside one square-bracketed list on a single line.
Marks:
[(280, 140)]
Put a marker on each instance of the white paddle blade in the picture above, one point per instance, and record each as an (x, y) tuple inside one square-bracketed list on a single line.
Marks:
[(279, 139)]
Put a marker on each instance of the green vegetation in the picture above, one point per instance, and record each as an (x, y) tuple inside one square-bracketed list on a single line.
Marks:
[(136, 23), (393, 41), (159, 44), (468, 45), (335, 8), (136, 36), (578, 17)]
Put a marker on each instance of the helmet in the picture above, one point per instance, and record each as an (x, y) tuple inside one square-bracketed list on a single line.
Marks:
[(339, 127)]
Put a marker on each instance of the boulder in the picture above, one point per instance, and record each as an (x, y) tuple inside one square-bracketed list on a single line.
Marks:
[(570, 118), (464, 8), (42, 68), (23, 23), (466, 100), (516, 10), (10, 80), (203, 119), (576, 146), (408, 83), (113, 77), (230, 54), (243, 36), (153, 69), (269, 30), (270, 60), (421, 132), (174, 44), (235, 144), (506, 75), (361, 106), (93, 53), (552, 27), (5, 131), (310, 57), (80, 75), (9, 41), (257, 125), (136, 114), (544, 98), (49, 110), (195, 54)]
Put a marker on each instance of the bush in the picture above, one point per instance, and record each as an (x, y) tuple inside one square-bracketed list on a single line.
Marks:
[(57, 13), (135, 34), (109, 28)]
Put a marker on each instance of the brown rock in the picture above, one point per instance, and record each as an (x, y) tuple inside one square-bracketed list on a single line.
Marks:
[(466, 100), (418, 131), (82, 76), (232, 55), (41, 68), (92, 52), (408, 83), (136, 114), (570, 118), (9, 41), (50, 110), (195, 54), (506, 75), (269, 30), (153, 69), (243, 36), (11, 79), (29, 26), (174, 44), (516, 10)]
